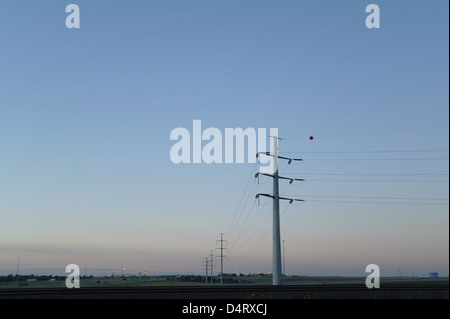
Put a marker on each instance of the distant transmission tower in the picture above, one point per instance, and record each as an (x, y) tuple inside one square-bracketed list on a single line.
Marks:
[(221, 241), (276, 263), (211, 266), (17, 271), (206, 269)]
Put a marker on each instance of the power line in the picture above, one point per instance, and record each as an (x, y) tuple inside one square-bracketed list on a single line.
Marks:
[(375, 181), (378, 197), (259, 241), (245, 223), (306, 200), (369, 152), (233, 225), (371, 174), (256, 231), (377, 159), (373, 202)]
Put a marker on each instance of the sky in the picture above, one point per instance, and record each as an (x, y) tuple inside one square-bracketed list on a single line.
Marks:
[(86, 115)]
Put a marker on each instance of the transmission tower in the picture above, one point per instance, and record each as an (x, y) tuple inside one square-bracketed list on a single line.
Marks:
[(276, 262), (206, 269), (211, 266), (221, 241)]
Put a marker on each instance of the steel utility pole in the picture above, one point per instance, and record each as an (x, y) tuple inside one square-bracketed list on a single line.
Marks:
[(276, 262), (276, 257), (211, 264), (206, 269), (284, 264), (221, 257), (17, 271)]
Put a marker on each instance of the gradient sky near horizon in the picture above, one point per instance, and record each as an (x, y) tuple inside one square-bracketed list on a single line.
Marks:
[(86, 115)]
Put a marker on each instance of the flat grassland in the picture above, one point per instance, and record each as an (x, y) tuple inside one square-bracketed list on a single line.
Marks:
[(165, 281)]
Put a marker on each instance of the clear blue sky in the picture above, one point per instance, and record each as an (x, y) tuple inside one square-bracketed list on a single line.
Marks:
[(86, 115)]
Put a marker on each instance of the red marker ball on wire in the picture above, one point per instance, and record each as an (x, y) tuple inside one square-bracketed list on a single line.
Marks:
[(311, 138)]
